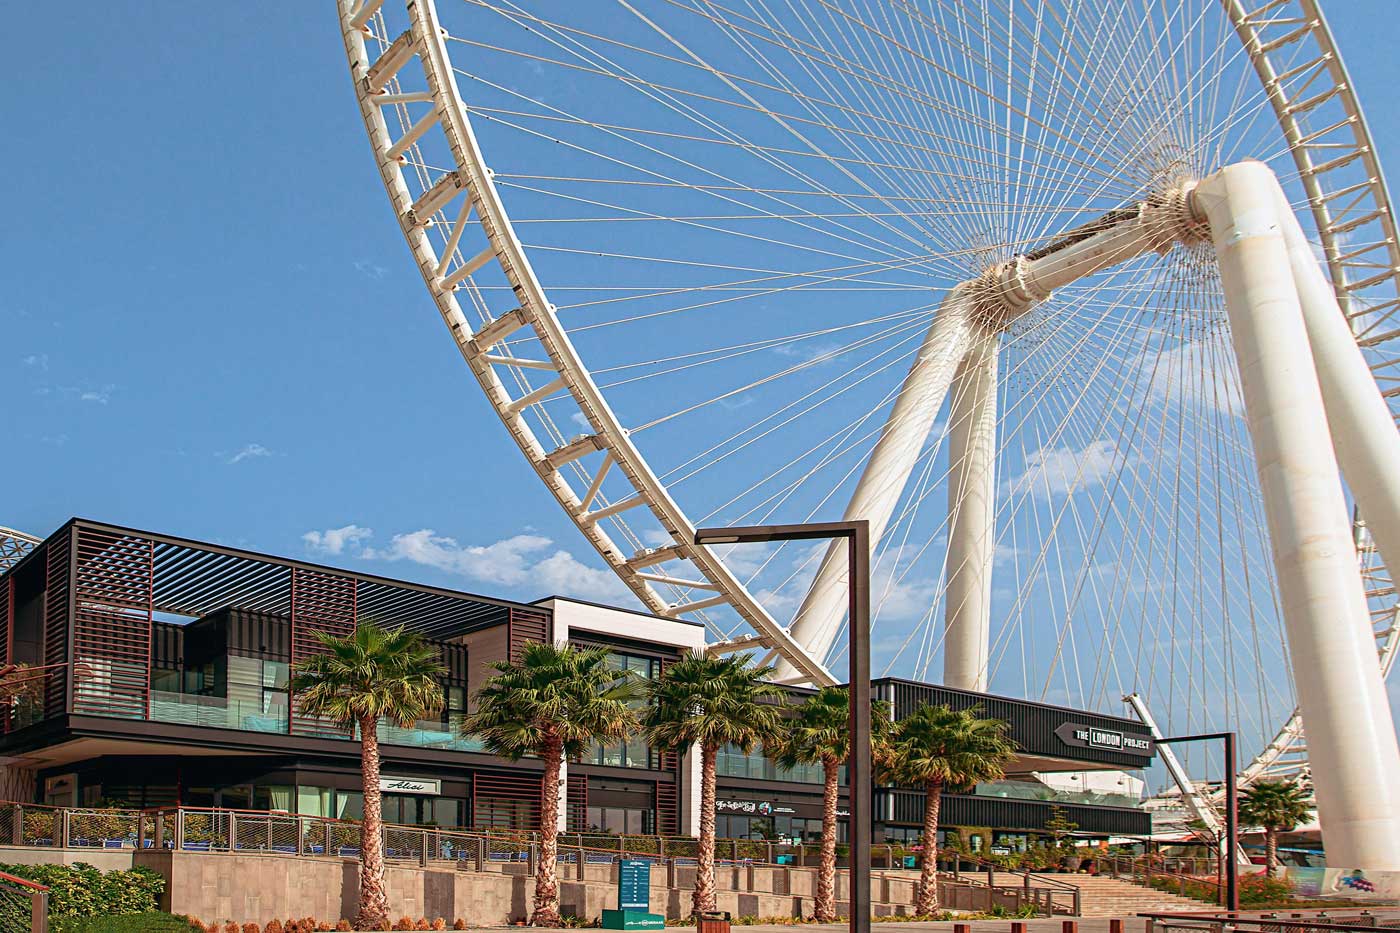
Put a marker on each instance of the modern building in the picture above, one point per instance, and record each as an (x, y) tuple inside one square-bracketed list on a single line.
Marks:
[(166, 663)]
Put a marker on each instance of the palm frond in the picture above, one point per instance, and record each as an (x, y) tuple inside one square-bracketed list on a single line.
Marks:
[(373, 672), (713, 702)]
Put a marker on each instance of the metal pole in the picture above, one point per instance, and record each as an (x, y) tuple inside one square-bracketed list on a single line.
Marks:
[(1232, 829), (860, 779)]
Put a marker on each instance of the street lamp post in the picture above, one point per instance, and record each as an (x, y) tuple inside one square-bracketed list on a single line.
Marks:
[(1229, 852), (860, 778)]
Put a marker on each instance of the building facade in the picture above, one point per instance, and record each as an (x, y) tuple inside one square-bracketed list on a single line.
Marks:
[(163, 669)]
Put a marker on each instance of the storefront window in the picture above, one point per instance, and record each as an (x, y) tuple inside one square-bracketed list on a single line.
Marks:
[(272, 797), (314, 801), (731, 762), (621, 820)]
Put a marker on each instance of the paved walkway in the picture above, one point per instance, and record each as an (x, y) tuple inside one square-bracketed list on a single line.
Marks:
[(1131, 924)]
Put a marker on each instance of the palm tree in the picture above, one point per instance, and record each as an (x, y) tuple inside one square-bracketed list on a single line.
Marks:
[(373, 673), (557, 701), (1277, 806), (938, 747), (712, 702), (820, 733)]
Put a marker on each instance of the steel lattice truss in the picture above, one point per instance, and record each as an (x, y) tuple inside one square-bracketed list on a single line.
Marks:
[(13, 546)]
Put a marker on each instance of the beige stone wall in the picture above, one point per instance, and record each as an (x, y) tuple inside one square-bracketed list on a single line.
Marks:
[(254, 888), (105, 859)]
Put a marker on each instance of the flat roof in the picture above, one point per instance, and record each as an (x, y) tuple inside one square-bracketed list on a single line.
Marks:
[(196, 578), (636, 612)]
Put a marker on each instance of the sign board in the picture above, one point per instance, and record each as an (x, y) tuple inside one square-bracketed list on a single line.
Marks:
[(634, 885), (761, 807), (1110, 740), (397, 785)]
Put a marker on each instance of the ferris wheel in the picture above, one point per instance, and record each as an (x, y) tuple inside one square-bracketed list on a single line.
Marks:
[(957, 268)]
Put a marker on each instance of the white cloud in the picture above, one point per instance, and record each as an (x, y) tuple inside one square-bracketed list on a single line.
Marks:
[(818, 353), (523, 560), (1196, 374), (506, 562), (249, 451), (100, 396), (561, 573), (1056, 471), (370, 270), (38, 360), (335, 540)]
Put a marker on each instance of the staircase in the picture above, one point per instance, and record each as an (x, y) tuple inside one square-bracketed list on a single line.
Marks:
[(1102, 896)]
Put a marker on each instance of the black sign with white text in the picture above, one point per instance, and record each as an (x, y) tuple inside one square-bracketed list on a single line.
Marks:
[(1080, 736)]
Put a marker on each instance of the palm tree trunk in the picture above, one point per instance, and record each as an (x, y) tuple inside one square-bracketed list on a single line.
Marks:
[(546, 912), (1270, 851), (374, 900), (926, 900), (825, 911), (704, 897)]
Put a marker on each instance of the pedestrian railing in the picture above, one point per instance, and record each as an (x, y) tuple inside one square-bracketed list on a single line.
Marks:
[(24, 905), (206, 829), (1340, 920)]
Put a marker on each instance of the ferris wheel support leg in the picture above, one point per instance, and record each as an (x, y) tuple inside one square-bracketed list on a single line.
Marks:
[(972, 439), (1340, 692), (886, 473), (1363, 429)]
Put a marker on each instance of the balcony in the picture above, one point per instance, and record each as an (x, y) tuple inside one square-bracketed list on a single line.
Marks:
[(188, 709)]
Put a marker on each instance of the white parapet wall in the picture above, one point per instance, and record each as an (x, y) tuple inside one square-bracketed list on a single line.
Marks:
[(574, 618)]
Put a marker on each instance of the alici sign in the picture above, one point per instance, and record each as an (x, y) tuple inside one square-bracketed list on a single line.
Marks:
[(1080, 736), (397, 785)]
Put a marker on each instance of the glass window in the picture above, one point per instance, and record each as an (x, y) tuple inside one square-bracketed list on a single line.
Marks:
[(350, 805), (166, 681), (313, 801), (276, 675)]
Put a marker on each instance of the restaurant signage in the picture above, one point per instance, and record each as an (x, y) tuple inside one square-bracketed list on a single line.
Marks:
[(398, 785), (1113, 740), (761, 807)]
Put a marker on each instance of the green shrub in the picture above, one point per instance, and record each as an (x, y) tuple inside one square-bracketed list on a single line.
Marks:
[(128, 923), (80, 890)]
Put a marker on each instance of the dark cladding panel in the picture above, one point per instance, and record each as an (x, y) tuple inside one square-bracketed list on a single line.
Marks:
[(168, 646), (265, 635), (1036, 728), (7, 616), (112, 624), (58, 557), (576, 797), (454, 658), (907, 807), (668, 816), (321, 602), (527, 625), (506, 801)]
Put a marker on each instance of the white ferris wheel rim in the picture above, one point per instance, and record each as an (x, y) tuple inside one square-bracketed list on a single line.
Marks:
[(1273, 25)]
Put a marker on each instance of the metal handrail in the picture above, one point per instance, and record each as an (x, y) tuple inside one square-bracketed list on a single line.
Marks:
[(38, 896), (1363, 921)]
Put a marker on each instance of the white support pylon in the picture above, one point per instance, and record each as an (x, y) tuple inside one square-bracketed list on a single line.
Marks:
[(972, 487), (1363, 429), (1340, 692), (887, 471)]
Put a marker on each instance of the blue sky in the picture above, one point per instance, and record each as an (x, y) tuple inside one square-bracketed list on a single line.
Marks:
[(211, 325)]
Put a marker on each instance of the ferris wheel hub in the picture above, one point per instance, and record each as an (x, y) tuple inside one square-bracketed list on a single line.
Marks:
[(1164, 219)]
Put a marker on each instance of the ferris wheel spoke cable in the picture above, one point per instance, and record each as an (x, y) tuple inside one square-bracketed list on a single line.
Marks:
[(914, 145)]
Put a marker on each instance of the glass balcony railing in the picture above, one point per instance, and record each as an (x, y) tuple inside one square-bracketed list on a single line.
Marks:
[(1029, 790), (189, 709), (427, 735)]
